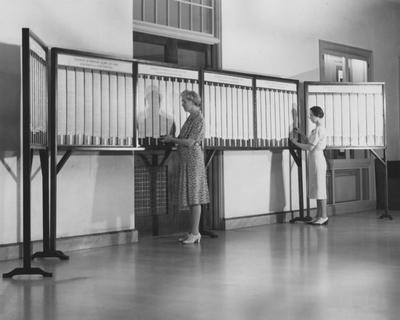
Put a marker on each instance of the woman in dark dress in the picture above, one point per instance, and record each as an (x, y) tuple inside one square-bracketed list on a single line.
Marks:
[(193, 189)]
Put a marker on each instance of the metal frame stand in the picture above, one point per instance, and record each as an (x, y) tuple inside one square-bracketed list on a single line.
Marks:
[(27, 269), (27, 157), (297, 157), (209, 155), (383, 161), (50, 223)]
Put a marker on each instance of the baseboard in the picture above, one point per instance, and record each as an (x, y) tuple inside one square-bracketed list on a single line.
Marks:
[(352, 206), (258, 220), (14, 251), (281, 217)]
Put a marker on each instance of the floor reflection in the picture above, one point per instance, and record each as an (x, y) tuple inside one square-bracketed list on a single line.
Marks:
[(348, 270)]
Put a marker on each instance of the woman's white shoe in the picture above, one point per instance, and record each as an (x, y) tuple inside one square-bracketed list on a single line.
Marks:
[(192, 238), (184, 237), (320, 221)]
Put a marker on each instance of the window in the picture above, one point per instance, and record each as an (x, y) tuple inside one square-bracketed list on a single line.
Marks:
[(183, 32), (193, 20), (180, 52)]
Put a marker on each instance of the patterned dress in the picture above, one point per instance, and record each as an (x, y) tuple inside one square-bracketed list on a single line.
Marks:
[(193, 188), (317, 164)]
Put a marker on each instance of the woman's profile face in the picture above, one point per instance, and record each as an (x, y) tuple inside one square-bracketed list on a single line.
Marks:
[(186, 103), (312, 117)]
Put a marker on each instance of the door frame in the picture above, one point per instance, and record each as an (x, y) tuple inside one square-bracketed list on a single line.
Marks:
[(327, 47)]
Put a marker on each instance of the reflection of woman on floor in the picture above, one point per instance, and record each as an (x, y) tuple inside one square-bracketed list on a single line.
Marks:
[(315, 144), (193, 189)]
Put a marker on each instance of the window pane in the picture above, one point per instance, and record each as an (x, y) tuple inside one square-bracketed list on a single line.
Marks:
[(334, 68), (207, 20), (149, 13), (196, 16), (185, 16), (173, 13), (162, 12), (137, 10), (358, 70), (191, 58), (148, 51)]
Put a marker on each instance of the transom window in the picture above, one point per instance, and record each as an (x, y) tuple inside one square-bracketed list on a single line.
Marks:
[(196, 16)]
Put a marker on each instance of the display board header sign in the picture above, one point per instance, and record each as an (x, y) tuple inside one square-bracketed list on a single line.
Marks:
[(94, 63)]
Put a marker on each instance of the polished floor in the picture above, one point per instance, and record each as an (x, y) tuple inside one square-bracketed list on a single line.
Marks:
[(348, 270)]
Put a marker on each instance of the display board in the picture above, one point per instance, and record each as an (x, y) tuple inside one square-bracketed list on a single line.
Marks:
[(94, 100), (228, 110), (158, 103), (276, 111), (354, 113), (38, 92)]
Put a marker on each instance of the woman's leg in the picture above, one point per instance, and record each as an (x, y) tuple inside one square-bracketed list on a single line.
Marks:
[(318, 215), (196, 214), (321, 208)]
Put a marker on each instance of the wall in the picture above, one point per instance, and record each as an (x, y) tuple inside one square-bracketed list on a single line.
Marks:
[(249, 193), (95, 193), (280, 38)]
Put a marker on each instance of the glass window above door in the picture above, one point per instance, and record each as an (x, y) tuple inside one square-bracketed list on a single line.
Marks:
[(358, 70), (177, 18)]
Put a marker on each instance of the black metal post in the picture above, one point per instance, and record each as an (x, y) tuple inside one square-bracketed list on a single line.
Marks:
[(44, 160), (203, 226), (386, 214), (383, 161), (44, 164), (296, 154), (53, 161), (27, 165)]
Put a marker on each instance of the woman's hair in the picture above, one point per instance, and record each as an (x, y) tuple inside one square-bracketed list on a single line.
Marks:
[(317, 111), (192, 96)]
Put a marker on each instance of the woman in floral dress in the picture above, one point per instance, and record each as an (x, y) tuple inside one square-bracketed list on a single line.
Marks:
[(193, 188)]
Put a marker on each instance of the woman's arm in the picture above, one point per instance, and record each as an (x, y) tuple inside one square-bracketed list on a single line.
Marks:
[(302, 135), (303, 146), (182, 142)]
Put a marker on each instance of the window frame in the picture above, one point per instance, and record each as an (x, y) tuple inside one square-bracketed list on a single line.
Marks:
[(348, 52)]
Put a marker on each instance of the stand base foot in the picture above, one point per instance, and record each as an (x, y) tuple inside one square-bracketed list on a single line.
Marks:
[(208, 233), (50, 254), (301, 219), (27, 271), (386, 216)]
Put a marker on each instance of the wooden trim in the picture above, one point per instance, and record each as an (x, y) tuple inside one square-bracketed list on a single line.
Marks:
[(175, 33), (336, 164), (195, 4), (13, 250), (217, 32)]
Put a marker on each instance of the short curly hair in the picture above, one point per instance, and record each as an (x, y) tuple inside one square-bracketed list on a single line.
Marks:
[(192, 96), (317, 111)]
